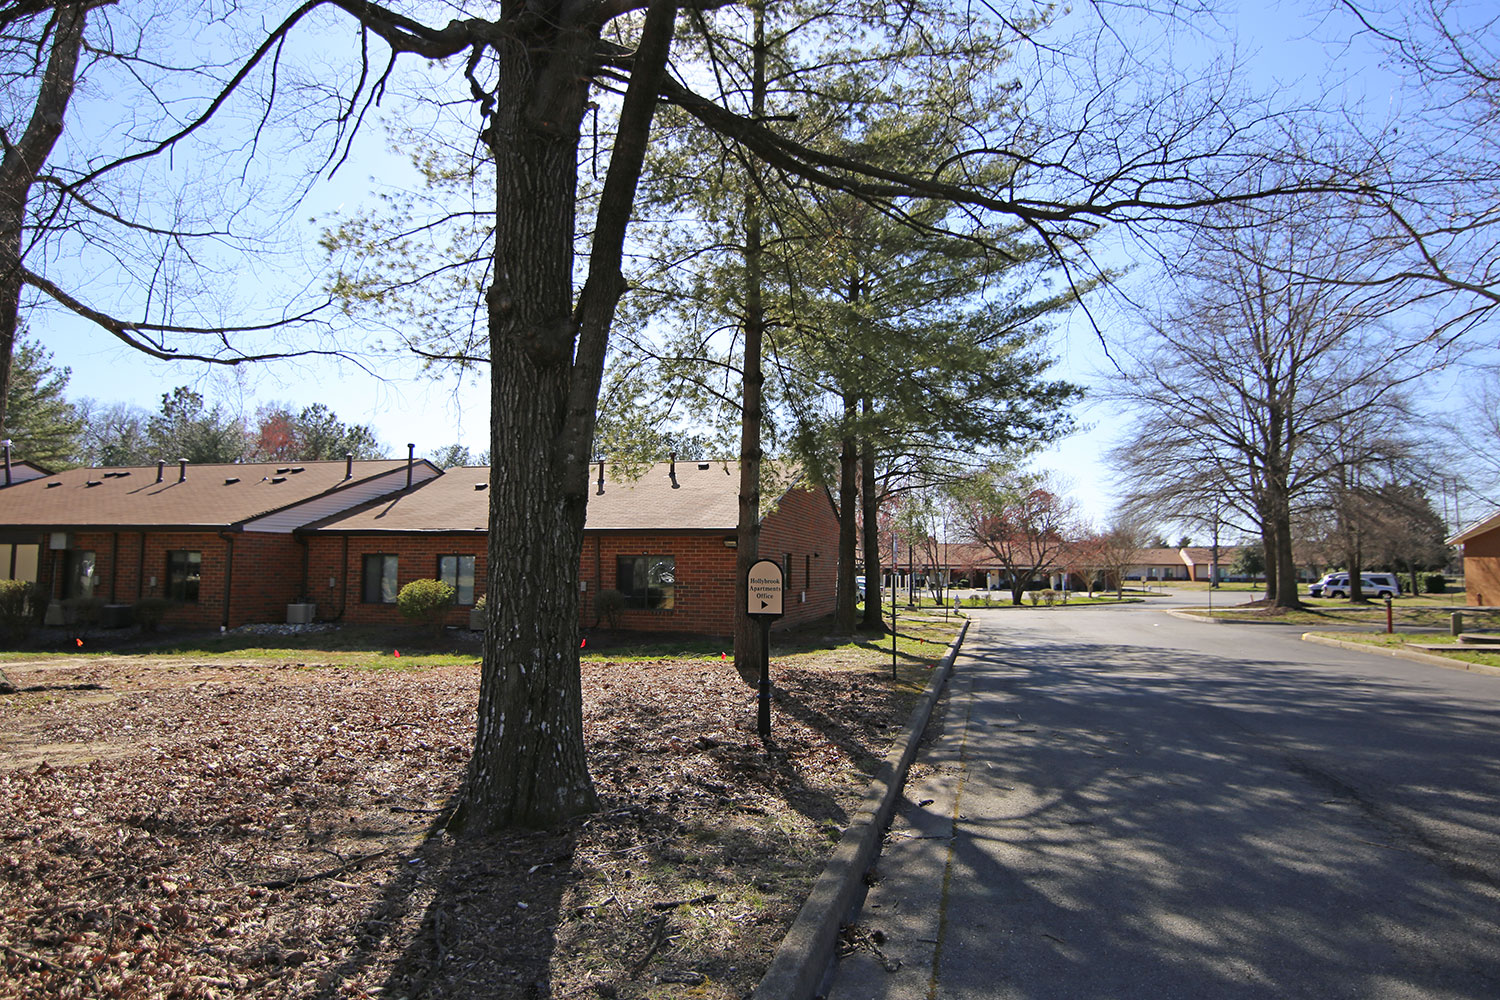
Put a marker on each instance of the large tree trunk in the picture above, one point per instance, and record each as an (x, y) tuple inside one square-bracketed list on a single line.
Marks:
[(747, 635), (844, 612), (529, 767), (874, 620), (24, 158)]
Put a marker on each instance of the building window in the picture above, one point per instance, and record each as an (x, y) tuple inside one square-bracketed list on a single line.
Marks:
[(80, 577), (380, 580), (19, 561), (786, 571), (184, 570), (647, 581), (458, 573)]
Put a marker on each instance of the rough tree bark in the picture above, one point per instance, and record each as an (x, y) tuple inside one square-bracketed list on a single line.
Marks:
[(747, 634), (870, 512), (844, 618), (543, 395), (22, 162)]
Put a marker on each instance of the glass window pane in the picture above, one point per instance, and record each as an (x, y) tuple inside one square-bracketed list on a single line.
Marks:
[(465, 584), (647, 581), (388, 586), (379, 584)]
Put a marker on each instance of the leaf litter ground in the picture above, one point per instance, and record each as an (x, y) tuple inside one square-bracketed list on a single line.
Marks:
[(181, 829)]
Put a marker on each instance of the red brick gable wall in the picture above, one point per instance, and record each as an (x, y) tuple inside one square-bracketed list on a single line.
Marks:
[(804, 527), (1482, 569)]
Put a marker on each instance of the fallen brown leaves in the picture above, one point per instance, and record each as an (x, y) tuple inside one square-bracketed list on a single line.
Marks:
[(193, 830)]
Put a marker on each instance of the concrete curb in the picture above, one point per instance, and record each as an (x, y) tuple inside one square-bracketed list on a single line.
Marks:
[(1416, 656), (805, 953)]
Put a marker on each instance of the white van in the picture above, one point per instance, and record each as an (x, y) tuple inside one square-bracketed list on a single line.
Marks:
[(1381, 585)]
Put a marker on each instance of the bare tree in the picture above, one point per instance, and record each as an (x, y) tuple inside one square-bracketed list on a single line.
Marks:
[(1020, 518), (1428, 181), (70, 211), (1269, 344)]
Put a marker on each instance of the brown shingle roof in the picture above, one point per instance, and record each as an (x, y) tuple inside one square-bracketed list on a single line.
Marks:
[(706, 499), (212, 496)]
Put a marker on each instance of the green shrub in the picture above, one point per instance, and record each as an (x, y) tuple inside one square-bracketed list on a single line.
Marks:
[(1434, 583), (1049, 597), (609, 604), (426, 602), (149, 612), (1034, 596), (19, 604)]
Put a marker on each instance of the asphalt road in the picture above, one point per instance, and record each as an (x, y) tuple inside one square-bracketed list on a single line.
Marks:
[(1123, 804)]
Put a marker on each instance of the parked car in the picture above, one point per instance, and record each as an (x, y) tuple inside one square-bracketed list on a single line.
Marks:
[(1381, 585)]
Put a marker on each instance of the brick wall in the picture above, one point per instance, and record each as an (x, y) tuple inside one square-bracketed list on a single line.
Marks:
[(704, 592), (340, 559), (273, 570), (1482, 569), (804, 526), (130, 565)]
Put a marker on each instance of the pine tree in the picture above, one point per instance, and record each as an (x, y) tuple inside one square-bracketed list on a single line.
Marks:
[(42, 426)]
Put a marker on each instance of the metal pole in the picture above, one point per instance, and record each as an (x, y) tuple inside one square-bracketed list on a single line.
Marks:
[(763, 717)]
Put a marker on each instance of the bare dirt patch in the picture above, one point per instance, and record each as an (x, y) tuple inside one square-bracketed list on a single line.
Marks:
[(222, 829)]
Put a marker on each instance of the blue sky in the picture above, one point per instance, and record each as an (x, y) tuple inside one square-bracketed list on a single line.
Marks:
[(1282, 45)]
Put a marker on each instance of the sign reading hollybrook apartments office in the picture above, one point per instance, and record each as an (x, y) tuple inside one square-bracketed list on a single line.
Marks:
[(765, 587)]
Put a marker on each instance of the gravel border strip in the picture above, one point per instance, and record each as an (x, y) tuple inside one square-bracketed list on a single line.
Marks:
[(805, 953)]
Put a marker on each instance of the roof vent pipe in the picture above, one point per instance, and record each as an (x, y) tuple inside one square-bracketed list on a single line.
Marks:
[(411, 459), (161, 464), (182, 470), (672, 471), (6, 442), (601, 477), (348, 465)]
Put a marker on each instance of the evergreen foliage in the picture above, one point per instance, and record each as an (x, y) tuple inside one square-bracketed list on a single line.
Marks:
[(42, 426)]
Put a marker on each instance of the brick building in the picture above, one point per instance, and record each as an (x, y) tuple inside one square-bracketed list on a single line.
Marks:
[(236, 544), (215, 540), (1481, 561), (664, 540)]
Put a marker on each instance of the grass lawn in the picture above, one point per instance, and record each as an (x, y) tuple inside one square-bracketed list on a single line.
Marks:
[(1430, 611), (1453, 649)]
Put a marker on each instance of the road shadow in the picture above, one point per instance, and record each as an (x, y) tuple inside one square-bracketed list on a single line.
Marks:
[(1150, 822)]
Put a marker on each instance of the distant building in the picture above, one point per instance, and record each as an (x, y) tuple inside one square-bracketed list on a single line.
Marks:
[(1481, 548)]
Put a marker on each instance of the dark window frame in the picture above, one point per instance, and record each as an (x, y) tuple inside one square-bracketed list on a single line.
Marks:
[(183, 584), (377, 584), (642, 596), (454, 580), (78, 583)]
